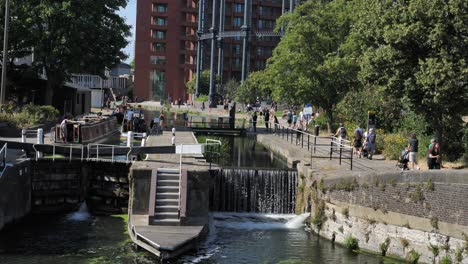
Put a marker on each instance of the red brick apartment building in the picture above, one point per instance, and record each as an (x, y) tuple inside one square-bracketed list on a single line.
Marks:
[(166, 39)]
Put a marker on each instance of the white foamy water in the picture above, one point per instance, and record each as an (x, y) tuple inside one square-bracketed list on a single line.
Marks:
[(242, 221), (81, 215), (247, 221)]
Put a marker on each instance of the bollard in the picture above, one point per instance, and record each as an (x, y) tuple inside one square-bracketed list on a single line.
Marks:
[(23, 135), (173, 131), (143, 140), (40, 140), (173, 140), (129, 139)]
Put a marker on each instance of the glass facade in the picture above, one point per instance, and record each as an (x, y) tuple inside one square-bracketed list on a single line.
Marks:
[(158, 83)]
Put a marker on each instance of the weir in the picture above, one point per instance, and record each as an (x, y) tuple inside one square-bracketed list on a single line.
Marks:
[(254, 191)]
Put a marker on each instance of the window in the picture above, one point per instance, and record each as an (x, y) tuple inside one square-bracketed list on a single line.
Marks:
[(158, 47), (237, 62), (158, 83), (237, 21), (261, 10), (236, 49), (160, 60), (160, 8), (238, 8), (261, 23), (158, 34), (260, 51), (160, 21)]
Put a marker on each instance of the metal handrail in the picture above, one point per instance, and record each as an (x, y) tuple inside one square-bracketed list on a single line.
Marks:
[(3, 155), (336, 142), (107, 146)]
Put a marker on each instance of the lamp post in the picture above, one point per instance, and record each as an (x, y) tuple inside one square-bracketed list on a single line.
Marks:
[(5, 52)]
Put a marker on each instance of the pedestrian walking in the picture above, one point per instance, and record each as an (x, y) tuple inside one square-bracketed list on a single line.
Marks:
[(266, 116), (371, 140), (413, 147), (358, 134), (254, 121), (435, 157)]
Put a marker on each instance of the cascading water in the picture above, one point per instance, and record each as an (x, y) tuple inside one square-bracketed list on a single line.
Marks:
[(81, 215), (255, 191)]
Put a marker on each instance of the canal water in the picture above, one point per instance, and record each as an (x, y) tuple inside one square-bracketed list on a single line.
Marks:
[(233, 238)]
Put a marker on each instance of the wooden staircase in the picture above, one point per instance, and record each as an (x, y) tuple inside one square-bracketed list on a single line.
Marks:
[(166, 211)]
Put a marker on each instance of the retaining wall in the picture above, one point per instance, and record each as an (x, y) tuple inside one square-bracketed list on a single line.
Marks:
[(425, 209)]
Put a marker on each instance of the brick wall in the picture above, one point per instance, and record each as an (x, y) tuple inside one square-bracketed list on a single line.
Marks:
[(446, 198)]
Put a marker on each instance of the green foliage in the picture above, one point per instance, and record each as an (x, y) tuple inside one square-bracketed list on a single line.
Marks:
[(417, 195), (435, 222), (230, 89), (407, 225), (429, 185), (384, 246), (253, 87), (446, 260), (434, 249), (204, 83), (393, 145), (416, 52), (413, 257), (202, 98), (351, 243), (319, 214), (30, 115), (70, 36), (459, 255), (320, 185), (310, 64)]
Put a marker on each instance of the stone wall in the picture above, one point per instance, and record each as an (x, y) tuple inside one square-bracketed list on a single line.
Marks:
[(427, 209), (198, 199), (15, 195)]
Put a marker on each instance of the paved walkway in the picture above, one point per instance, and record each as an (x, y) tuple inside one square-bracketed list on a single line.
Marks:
[(319, 162)]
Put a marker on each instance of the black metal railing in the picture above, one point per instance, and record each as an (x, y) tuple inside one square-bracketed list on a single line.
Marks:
[(319, 147)]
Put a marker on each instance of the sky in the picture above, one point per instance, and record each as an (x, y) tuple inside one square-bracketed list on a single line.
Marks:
[(130, 17)]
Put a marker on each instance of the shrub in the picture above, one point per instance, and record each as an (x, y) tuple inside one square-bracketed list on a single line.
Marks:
[(384, 246), (202, 98), (351, 242), (429, 185), (393, 144), (459, 255), (445, 260), (30, 115), (434, 249), (413, 257)]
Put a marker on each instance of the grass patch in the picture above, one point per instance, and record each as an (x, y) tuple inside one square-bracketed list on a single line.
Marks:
[(413, 257), (384, 246), (351, 242)]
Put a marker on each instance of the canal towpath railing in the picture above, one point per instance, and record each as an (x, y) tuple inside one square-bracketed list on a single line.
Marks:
[(320, 147), (3, 155)]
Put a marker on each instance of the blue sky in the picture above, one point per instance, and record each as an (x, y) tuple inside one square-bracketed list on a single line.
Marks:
[(130, 16)]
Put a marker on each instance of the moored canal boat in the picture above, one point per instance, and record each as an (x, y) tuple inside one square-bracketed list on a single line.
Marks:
[(88, 129)]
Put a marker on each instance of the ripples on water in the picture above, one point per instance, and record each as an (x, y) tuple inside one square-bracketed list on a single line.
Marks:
[(264, 238)]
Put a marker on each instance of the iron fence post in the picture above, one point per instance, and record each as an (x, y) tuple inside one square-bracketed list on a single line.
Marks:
[(341, 152), (315, 142), (331, 149), (351, 159), (308, 142)]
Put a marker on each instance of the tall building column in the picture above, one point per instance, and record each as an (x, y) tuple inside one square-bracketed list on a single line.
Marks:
[(245, 47), (212, 55), (220, 43), (201, 15), (291, 6)]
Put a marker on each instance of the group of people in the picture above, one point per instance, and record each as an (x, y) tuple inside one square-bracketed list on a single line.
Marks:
[(268, 116), (434, 156), (134, 119), (364, 143)]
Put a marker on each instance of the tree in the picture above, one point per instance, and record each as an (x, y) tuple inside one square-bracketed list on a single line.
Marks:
[(69, 36), (251, 88), (417, 50), (311, 63), (204, 83), (231, 88)]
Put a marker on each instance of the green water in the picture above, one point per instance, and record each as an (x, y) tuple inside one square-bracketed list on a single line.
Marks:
[(57, 239)]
